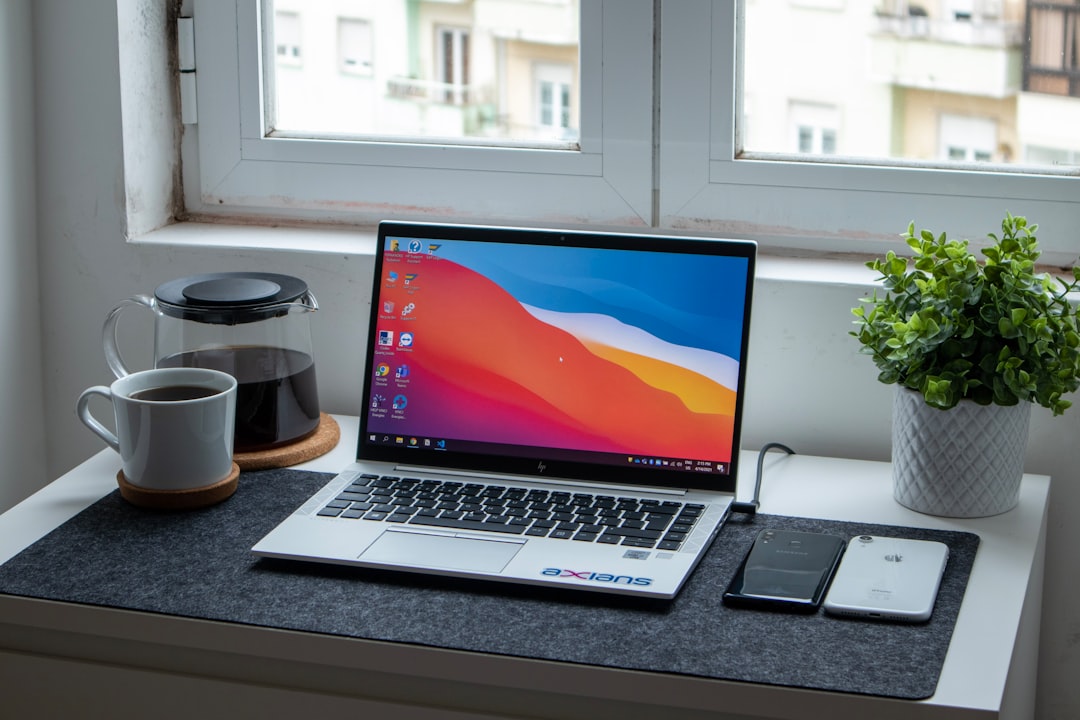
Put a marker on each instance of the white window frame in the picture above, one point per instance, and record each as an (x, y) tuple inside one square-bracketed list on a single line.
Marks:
[(701, 182), (231, 168), (798, 204)]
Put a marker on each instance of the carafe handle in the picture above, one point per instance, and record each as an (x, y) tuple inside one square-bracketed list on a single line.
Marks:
[(108, 333)]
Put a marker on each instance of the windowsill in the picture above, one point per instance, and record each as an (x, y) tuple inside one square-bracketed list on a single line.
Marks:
[(343, 240), (337, 240)]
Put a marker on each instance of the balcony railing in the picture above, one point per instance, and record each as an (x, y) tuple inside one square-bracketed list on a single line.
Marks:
[(982, 32), (1052, 50), (430, 91)]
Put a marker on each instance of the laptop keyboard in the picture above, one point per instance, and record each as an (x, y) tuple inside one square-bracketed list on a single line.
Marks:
[(581, 517)]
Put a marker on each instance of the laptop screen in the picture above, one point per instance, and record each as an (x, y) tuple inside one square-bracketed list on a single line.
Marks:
[(560, 354)]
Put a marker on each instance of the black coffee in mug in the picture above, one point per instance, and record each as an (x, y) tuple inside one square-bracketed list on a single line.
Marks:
[(173, 393)]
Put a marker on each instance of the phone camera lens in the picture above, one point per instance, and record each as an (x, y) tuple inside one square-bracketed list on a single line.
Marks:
[(865, 538)]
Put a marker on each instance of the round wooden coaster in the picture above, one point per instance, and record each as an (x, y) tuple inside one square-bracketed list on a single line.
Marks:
[(323, 440), (184, 499)]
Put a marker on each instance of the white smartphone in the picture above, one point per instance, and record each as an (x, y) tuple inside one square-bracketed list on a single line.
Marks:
[(888, 578)]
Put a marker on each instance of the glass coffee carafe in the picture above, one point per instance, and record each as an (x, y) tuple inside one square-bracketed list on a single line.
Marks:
[(252, 325)]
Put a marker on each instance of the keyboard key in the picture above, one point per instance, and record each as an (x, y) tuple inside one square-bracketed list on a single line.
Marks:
[(634, 533)]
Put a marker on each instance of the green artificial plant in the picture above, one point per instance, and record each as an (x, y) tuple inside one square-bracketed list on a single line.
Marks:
[(953, 328)]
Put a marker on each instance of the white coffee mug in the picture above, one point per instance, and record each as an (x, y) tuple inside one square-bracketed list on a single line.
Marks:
[(174, 426)]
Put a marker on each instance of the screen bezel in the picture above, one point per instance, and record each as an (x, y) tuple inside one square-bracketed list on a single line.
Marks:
[(546, 467)]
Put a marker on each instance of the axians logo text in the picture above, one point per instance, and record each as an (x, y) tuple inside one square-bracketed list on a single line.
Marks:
[(589, 576)]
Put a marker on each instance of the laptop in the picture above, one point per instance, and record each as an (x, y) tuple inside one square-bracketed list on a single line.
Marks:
[(547, 407)]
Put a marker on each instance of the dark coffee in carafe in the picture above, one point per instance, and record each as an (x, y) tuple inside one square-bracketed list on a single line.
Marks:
[(277, 400)]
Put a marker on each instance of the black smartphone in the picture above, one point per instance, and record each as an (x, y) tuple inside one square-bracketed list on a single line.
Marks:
[(786, 570)]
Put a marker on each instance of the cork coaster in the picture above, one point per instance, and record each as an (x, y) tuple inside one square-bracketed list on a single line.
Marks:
[(321, 441), (183, 499)]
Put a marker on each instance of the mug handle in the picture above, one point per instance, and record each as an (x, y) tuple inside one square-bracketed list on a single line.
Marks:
[(108, 333), (82, 408)]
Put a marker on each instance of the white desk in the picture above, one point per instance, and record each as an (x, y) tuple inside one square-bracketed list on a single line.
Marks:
[(60, 659)]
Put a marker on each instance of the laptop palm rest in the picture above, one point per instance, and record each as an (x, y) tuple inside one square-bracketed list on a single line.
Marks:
[(452, 552)]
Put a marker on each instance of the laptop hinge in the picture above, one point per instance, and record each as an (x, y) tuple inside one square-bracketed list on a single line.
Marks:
[(495, 477)]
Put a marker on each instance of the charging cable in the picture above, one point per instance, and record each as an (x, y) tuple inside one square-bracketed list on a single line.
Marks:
[(750, 508)]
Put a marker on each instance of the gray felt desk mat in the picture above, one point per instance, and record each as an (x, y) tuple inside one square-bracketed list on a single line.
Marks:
[(197, 564)]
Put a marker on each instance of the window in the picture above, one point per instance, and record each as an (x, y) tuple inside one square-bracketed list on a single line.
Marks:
[(967, 139), (239, 159), (656, 134), (355, 50), (453, 64), (814, 128), (553, 100), (287, 38)]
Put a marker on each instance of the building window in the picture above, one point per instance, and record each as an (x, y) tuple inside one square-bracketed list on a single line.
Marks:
[(967, 139), (452, 52), (815, 128), (355, 51), (553, 98), (287, 38)]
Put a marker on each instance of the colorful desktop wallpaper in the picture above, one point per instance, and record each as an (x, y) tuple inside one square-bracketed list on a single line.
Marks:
[(587, 349)]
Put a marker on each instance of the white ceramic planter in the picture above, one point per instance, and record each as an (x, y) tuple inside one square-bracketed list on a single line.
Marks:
[(962, 462)]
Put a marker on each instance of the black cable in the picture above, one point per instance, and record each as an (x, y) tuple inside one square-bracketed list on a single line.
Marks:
[(750, 508)]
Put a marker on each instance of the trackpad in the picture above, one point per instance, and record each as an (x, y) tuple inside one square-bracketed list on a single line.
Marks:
[(441, 551)]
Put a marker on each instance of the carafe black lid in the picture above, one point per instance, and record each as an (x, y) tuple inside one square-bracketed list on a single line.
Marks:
[(229, 298)]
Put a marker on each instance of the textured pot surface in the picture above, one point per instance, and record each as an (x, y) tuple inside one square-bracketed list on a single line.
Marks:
[(962, 462)]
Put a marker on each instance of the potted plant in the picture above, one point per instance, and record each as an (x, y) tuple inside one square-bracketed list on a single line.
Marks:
[(970, 344)]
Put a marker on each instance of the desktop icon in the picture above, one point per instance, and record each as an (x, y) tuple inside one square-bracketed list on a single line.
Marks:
[(386, 338), (382, 370), (405, 339), (400, 401)]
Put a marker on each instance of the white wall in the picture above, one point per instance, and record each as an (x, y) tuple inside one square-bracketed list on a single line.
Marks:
[(808, 387), (22, 436)]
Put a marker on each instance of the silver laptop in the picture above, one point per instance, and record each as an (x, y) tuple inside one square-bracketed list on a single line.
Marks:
[(545, 407)]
